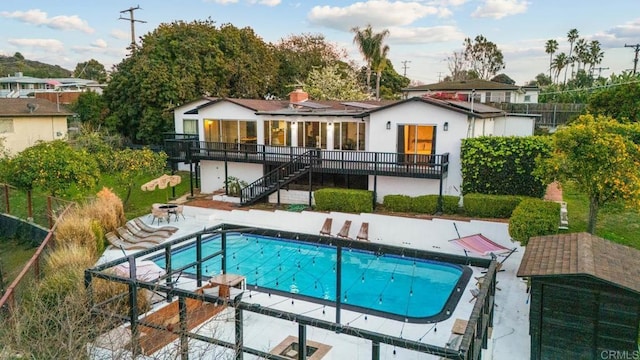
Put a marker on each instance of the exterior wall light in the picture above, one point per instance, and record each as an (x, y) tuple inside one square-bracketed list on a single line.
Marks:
[(445, 127), (388, 125)]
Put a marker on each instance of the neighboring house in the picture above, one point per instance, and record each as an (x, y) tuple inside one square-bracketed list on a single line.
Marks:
[(481, 91), (407, 147), (23, 122), (66, 89)]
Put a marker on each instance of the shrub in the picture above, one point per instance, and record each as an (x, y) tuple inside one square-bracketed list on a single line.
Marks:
[(490, 206), (398, 203), (75, 229), (534, 217), (72, 256), (503, 165), (424, 204), (344, 200)]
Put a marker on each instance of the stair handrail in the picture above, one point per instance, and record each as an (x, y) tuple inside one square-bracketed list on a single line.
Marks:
[(309, 154)]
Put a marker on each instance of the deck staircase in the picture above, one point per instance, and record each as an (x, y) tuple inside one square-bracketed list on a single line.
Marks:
[(279, 177)]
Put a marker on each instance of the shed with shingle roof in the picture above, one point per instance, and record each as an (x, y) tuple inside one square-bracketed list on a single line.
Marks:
[(585, 296)]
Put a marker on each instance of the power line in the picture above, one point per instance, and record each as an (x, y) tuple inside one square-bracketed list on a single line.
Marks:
[(636, 48), (404, 66), (133, 21)]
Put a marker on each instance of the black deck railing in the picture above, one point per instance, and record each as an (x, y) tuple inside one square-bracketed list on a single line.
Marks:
[(431, 166)]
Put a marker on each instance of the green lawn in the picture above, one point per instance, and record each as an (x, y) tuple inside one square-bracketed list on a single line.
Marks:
[(615, 222), (13, 256)]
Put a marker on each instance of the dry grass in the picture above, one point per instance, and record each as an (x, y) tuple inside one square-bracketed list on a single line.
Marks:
[(71, 255), (118, 296)]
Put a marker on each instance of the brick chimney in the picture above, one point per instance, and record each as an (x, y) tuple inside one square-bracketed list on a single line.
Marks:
[(298, 95)]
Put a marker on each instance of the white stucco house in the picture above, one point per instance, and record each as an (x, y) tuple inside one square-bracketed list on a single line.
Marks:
[(481, 91), (409, 147)]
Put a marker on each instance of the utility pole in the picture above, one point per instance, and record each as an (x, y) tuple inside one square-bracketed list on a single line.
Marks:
[(133, 21), (636, 48), (439, 75), (404, 66)]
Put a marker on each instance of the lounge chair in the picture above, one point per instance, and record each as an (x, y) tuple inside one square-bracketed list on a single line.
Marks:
[(142, 225), (363, 234), (114, 240), (125, 235), (326, 227), (138, 232), (344, 232)]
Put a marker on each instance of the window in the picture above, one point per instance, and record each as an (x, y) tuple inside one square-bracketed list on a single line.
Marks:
[(507, 96), (416, 141), (230, 131), (349, 136), (312, 134), (6, 126), (190, 126), (527, 98), (277, 132), (487, 97)]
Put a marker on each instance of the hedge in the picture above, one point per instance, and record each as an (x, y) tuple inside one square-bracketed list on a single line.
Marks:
[(500, 165), (344, 200), (534, 217), (490, 206), (424, 204)]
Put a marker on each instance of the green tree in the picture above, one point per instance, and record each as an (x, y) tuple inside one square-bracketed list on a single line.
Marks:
[(550, 47), (504, 79), (392, 83), (559, 62), (572, 36), (129, 165), (594, 54), (541, 80), (297, 55), (618, 100), (179, 62), (91, 70), (52, 166), (333, 83), (601, 156), (380, 61), (483, 56), (372, 48), (91, 109)]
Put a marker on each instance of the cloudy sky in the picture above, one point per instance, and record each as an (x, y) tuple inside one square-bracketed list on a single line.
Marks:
[(422, 32)]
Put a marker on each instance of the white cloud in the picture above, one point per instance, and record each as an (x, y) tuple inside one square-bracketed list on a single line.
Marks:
[(498, 9), (619, 35), (100, 44), (382, 13), (425, 35), (119, 34), (39, 17), (43, 44)]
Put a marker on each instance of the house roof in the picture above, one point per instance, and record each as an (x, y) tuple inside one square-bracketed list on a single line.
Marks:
[(479, 110), (32, 107), (582, 254), (309, 107), (464, 85)]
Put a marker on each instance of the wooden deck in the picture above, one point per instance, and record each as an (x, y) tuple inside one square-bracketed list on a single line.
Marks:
[(152, 339)]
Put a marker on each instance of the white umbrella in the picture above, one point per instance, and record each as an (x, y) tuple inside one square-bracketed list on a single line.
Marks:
[(161, 182)]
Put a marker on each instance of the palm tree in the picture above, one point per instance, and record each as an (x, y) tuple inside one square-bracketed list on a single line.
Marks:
[(550, 48), (581, 55), (364, 39), (560, 62), (595, 54), (379, 64), (373, 50), (572, 36)]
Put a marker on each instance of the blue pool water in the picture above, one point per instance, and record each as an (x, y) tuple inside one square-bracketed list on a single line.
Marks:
[(406, 287)]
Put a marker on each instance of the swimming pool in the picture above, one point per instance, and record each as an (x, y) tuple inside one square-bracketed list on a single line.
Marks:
[(399, 286)]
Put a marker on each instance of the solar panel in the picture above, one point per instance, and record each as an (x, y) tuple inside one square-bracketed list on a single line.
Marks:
[(360, 105), (477, 108), (311, 105)]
